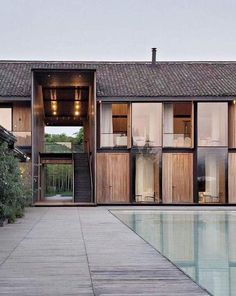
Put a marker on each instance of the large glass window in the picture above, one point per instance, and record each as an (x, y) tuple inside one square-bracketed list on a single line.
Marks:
[(6, 118), (212, 124), (211, 177), (146, 124), (147, 175), (177, 126), (114, 125)]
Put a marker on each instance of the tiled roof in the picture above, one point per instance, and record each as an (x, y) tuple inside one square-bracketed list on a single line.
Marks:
[(136, 79)]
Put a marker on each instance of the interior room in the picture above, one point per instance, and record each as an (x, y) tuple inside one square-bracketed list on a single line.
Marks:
[(178, 125)]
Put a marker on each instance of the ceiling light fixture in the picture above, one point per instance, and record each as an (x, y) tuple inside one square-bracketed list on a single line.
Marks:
[(76, 94)]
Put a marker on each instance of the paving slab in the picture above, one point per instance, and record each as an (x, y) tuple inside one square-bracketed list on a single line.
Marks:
[(83, 251)]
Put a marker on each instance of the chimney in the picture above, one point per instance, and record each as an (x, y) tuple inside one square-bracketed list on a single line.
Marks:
[(154, 55)]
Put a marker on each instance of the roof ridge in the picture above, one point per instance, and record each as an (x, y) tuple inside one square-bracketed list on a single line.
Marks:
[(112, 62)]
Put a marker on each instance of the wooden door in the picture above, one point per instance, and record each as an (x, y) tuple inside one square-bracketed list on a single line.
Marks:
[(177, 178), (113, 178)]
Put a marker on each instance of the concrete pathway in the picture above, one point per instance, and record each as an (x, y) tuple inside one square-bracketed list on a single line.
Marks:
[(83, 251)]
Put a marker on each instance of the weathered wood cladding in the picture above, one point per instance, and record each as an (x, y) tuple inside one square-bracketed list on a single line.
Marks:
[(232, 125), (37, 137), (232, 177), (21, 117), (113, 178), (177, 177), (21, 123)]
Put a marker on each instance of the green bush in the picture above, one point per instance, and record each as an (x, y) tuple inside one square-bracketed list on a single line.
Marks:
[(13, 194)]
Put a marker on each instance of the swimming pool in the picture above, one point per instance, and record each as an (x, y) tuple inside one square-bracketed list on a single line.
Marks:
[(201, 243)]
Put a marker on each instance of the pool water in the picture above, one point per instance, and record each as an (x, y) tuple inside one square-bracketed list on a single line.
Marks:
[(201, 243)]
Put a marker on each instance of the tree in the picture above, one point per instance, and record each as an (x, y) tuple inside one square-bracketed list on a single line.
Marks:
[(13, 195), (79, 137)]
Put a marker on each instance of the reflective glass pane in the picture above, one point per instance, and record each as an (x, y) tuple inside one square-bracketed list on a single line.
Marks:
[(147, 175), (212, 124), (146, 124), (212, 175), (114, 118), (177, 127)]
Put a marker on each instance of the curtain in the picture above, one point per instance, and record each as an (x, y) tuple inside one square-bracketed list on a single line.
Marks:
[(215, 125), (168, 124), (144, 180), (147, 124), (212, 175), (106, 126), (154, 124)]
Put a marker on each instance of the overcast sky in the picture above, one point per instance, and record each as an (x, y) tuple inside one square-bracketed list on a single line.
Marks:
[(117, 29)]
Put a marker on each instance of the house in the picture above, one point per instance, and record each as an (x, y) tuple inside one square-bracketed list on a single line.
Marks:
[(154, 132)]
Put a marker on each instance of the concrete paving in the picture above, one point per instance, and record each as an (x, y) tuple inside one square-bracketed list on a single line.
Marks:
[(83, 251)]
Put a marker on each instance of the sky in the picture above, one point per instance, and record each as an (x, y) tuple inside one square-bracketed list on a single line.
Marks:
[(117, 30), (68, 130)]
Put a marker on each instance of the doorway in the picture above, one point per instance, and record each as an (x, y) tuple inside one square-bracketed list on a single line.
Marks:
[(58, 182)]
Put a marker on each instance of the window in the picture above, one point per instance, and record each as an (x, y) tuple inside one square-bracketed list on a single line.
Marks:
[(212, 124), (6, 118), (211, 175), (147, 175), (177, 127), (146, 124), (114, 125)]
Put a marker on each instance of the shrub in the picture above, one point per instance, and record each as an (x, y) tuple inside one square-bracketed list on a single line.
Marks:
[(13, 195)]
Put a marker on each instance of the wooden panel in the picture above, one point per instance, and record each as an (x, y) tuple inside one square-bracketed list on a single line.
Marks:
[(167, 167), (232, 125), (129, 124), (21, 117), (232, 177), (119, 109), (177, 177), (113, 178)]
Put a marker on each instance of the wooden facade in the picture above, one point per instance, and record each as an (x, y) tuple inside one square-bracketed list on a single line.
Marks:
[(21, 123), (232, 177), (113, 178), (177, 178), (232, 125), (179, 129)]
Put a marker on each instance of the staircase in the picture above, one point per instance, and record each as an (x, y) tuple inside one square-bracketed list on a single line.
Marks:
[(82, 184)]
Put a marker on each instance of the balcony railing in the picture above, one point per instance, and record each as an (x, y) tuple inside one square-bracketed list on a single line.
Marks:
[(23, 138), (63, 147), (177, 140), (114, 140)]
